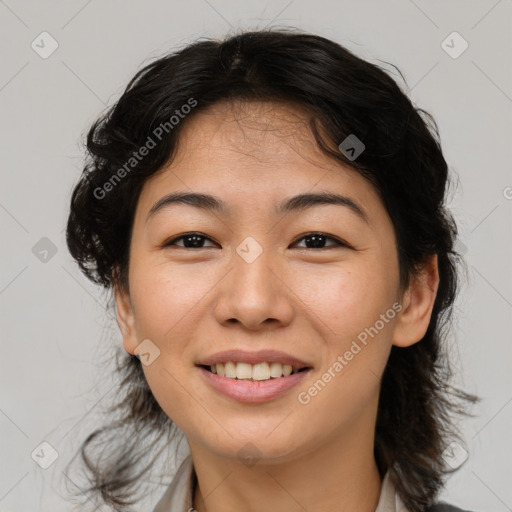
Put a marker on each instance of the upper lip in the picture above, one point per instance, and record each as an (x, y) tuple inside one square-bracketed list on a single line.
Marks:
[(261, 356)]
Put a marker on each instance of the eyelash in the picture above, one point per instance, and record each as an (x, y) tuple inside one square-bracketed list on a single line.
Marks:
[(339, 243)]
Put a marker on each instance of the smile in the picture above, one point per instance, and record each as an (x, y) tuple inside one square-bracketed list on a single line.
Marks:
[(255, 372), (252, 377), (250, 390)]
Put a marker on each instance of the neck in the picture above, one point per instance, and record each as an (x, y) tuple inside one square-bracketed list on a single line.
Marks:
[(340, 475)]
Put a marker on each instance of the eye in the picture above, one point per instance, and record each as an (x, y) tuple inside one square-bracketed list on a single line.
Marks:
[(190, 240), (317, 241), (312, 241)]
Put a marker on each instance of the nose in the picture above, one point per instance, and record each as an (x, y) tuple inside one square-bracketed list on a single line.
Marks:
[(254, 294)]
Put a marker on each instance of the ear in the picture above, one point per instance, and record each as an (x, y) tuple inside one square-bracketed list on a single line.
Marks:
[(125, 319), (418, 302)]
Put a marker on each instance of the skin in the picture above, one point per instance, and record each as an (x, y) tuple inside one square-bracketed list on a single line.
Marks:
[(306, 301)]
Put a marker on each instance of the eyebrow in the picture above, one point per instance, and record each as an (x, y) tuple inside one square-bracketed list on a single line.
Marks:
[(296, 203)]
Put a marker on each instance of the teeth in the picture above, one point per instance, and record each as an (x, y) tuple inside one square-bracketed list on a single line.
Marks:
[(246, 371), (276, 370), (220, 369), (261, 371), (230, 369), (243, 370)]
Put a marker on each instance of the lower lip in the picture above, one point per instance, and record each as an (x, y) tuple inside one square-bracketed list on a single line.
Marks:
[(252, 391)]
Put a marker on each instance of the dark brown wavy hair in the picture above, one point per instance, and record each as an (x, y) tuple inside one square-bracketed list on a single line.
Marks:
[(342, 95)]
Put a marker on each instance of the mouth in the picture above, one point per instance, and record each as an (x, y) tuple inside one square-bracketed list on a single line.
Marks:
[(254, 372), (253, 377), (236, 384)]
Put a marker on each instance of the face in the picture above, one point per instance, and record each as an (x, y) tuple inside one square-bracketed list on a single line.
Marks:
[(314, 285)]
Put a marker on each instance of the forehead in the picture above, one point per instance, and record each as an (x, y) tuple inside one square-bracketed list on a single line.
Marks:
[(253, 152)]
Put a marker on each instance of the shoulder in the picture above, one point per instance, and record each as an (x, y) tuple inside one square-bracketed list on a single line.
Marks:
[(180, 493)]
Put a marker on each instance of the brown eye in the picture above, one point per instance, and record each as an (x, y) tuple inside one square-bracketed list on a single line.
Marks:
[(318, 241), (190, 241)]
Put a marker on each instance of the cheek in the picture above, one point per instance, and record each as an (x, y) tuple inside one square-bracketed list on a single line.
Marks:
[(348, 302), (170, 388), (346, 298), (164, 300), (166, 306)]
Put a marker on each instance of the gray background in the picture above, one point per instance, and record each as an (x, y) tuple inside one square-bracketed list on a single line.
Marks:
[(56, 335)]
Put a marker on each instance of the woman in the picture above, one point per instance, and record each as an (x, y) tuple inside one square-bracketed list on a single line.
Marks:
[(269, 211)]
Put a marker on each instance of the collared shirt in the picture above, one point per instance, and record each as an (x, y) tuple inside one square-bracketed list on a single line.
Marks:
[(179, 495)]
